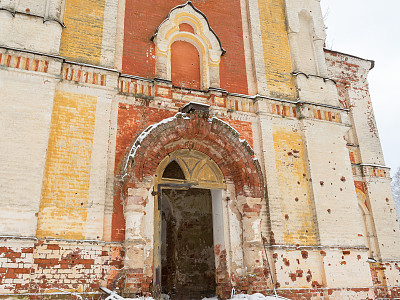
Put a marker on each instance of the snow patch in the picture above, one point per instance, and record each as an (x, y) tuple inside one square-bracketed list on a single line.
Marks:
[(140, 298), (256, 296), (149, 129), (143, 135)]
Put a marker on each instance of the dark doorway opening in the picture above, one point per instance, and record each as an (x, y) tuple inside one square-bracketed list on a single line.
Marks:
[(187, 248)]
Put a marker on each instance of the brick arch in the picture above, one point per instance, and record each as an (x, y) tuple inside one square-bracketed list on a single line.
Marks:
[(211, 136)]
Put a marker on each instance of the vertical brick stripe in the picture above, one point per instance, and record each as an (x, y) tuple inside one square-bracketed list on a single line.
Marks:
[(296, 199), (63, 208), (82, 39), (276, 49)]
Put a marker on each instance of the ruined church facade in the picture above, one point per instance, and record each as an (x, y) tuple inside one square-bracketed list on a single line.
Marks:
[(190, 149)]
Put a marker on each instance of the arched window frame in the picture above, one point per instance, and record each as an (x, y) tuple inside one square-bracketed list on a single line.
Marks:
[(204, 39)]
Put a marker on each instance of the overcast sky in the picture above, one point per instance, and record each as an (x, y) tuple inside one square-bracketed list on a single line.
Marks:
[(370, 29)]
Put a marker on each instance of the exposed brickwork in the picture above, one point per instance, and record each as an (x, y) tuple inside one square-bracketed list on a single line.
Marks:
[(184, 133), (352, 79), (49, 266), (68, 160), (224, 284), (69, 126), (132, 120), (79, 74), (23, 62), (142, 20), (305, 294), (276, 49), (244, 128), (185, 64), (82, 38)]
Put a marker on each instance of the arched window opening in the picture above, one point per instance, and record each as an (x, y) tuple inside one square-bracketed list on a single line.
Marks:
[(185, 27), (188, 52), (173, 171), (185, 65)]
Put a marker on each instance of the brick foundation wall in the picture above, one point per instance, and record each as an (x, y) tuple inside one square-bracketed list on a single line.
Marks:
[(43, 266)]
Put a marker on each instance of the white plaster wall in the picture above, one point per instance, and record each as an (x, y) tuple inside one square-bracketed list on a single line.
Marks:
[(99, 163), (365, 126), (335, 199), (355, 71), (30, 33), (109, 196), (299, 42), (257, 47), (317, 90), (347, 268), (384, 214), (271, 180), (308, 268), (25, 116), (108, 48)]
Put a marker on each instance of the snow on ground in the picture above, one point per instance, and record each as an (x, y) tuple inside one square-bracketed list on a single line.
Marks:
[(256, 296)]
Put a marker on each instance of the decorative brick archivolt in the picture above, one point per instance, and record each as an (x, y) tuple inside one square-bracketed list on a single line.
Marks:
[(187, 23), (211, 155), (195, 131)]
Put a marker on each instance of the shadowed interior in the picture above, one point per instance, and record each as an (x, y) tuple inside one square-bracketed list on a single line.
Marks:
[(187, 251)]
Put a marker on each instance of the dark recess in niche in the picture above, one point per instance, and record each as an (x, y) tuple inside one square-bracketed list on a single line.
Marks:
[(173, 171)]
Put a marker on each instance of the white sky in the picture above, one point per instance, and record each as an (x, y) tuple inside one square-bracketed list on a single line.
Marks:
[(370, 29)]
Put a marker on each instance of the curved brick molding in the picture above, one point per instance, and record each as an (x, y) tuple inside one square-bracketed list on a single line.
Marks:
[(212, 136), (187, 138), (188, 24)]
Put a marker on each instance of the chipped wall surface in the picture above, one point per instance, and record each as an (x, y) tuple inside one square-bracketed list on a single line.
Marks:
[(63, 209), (279, 135), (25, 126), (278, 66), (296, 206), (82, 38)]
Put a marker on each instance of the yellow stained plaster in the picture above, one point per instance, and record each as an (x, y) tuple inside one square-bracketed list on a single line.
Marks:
[(275, 42), (63, 207), (83, 36), (297, 211)]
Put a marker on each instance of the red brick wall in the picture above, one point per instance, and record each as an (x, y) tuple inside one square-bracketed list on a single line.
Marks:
[(143, 18), (244, 128), (185, 65), (132, 120), (42, 266)]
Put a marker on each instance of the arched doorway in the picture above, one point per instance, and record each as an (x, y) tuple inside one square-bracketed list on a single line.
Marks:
[(189, 219), (201, 155)]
